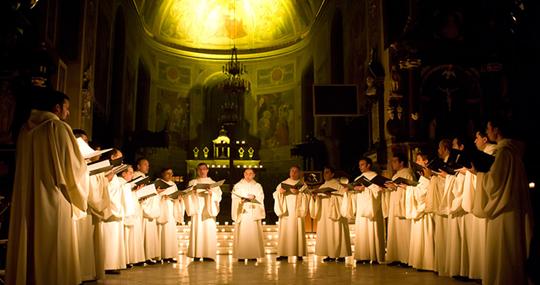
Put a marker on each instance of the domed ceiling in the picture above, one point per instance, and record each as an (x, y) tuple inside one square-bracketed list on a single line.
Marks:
[(217, 25)]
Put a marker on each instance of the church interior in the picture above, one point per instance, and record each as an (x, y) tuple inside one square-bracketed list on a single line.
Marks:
[(268, 85)]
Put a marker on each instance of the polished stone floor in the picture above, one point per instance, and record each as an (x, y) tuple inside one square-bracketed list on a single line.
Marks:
[(268, 271)]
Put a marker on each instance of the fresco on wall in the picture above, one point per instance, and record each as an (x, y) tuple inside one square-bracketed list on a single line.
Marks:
[(275, 125), (172, 113), (275, 75), (175, 75)]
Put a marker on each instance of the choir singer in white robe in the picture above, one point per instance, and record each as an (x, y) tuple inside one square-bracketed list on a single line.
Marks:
[(291, 207), (150, 212), (84, 220), (247, 212), (333, 237), (421, 247), (50, 181), (167, 221), (399, 228), (364, 203), (133, 236), (109, 231), (203, 207), (502, 197)]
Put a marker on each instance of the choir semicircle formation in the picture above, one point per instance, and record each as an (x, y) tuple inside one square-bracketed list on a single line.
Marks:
[(75, 218)]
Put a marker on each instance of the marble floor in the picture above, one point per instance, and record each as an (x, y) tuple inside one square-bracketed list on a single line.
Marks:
[(268, 271)]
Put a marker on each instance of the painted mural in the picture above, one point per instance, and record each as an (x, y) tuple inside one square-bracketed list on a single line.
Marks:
[(275, 75), (174, 75), (275, 125), (172, 113)]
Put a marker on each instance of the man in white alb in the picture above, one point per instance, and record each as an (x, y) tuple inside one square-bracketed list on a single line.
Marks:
[(291, 207), (51, 180), (247, 211), (333, 237), (202, 205), (364, 204)]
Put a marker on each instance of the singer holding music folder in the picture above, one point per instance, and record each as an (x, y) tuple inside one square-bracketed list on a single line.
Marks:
[(203, 207), (291, 205), (364, 204), (247, 211), (333, 237), (399, 228)]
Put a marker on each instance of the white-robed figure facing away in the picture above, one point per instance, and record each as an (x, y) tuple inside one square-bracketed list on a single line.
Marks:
[(83, 220), (247, 211), (167, 221), (399, 228), (291, 207), (109, 230), (421, 246), (364, 204), (133, 237), (333, 236), (502, 198), (98, 200), (51, 180), (202, 205)]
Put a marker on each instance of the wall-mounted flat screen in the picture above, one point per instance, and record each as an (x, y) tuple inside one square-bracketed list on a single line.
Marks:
[(335, 100)]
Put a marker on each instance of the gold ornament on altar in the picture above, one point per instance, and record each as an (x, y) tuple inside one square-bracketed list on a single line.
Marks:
[(205, 152), (195, 152), (241, 152), (251, 151)]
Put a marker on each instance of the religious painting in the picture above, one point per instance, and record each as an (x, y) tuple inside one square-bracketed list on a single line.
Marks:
[(215, 24), (275, 75), (275, 125), (172, 113), (175, 75)]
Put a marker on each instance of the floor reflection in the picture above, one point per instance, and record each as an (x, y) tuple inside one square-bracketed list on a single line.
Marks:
[(311, 270)]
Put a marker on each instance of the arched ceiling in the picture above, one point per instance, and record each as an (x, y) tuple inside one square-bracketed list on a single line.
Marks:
[(216, 25)]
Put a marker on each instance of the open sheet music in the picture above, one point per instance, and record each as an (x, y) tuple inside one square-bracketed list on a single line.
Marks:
[(105, 165), (437, 165), (161, 184), (254, 200), (146, 191), (88, 152), (408, 182), (325, 190), (141, 180), (206, 186), (480, 160), (380, 180), (288, 187), (99, 167), (169, 191), (120, 168)]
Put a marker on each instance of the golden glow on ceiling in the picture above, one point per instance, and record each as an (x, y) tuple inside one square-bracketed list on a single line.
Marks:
[(217, 24)]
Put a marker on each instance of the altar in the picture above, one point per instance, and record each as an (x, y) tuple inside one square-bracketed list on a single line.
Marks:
[(225, 154)]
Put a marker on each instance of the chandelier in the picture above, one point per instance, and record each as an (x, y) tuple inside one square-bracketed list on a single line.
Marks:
[(233, 86), (233, 70)]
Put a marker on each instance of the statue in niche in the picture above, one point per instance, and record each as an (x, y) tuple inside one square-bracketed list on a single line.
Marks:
[(371, 89)]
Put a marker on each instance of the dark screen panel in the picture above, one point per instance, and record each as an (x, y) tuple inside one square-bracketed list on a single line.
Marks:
[(335, 100)]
